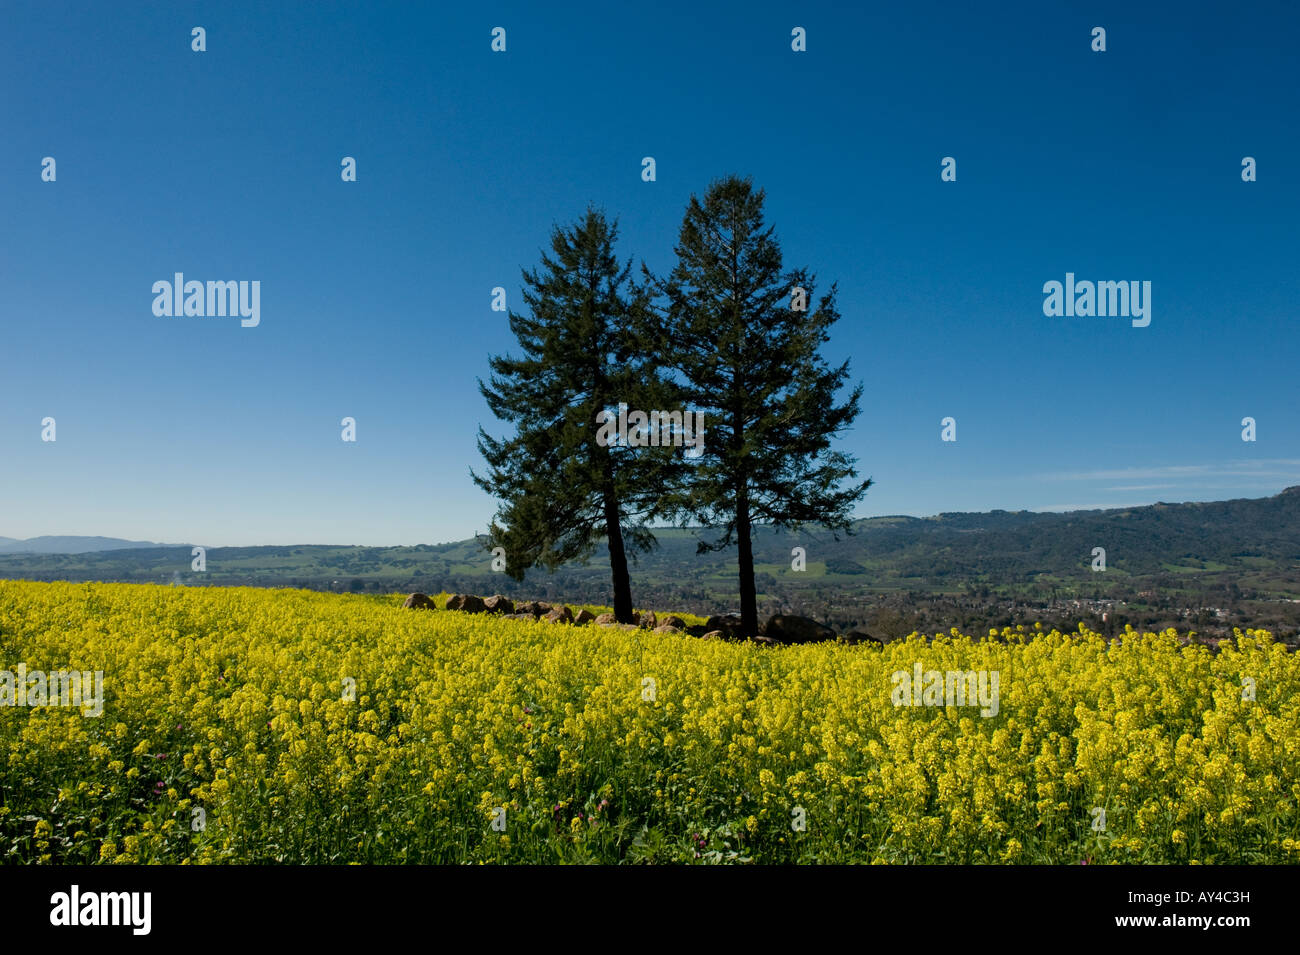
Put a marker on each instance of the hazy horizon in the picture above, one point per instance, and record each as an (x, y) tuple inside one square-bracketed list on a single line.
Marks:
[(435, 543)]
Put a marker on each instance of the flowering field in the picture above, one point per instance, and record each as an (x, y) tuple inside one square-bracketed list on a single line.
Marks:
[(245, 725)]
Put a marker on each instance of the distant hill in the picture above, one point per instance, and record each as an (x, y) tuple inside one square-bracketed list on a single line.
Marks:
[(1250, 544), (1203, 566), (68, 545)]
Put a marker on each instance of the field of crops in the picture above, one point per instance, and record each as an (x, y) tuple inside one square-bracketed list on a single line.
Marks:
[(244, 725)]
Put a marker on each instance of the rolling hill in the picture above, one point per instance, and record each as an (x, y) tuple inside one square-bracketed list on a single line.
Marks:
[(1254, 543)]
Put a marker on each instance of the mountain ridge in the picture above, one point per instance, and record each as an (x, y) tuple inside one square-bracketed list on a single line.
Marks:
[(892, 552), (69, 544)]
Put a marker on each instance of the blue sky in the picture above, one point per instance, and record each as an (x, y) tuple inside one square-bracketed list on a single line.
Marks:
[(375, 295)]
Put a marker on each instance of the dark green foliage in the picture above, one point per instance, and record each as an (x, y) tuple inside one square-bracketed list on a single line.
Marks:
[(561, 492), (752, 363), (842, 565)]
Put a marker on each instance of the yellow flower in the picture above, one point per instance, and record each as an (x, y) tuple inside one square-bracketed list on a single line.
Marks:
[(232, 697)]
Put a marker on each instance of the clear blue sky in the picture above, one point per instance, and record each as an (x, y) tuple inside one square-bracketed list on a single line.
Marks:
[(375, 298)]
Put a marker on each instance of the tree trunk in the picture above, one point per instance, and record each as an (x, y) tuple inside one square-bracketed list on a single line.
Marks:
[(748, 594), (617, 561), (619, 577)]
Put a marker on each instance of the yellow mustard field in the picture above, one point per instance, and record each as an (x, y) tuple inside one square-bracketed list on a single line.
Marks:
[(245, 725)]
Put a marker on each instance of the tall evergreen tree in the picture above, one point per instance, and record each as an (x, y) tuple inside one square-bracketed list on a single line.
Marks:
[(748, 356), (561, 490)]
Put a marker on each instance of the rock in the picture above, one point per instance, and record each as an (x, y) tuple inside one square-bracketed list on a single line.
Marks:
[(730, 624), (861, 636), (419, 602), (524, 617), (766, 641), (714, 635), (466, 602), (665, 628), (560, 615), (786, 628), (672, 621), (535, 607), (647, 620), (609, 621), (584, 616), (499, 604)]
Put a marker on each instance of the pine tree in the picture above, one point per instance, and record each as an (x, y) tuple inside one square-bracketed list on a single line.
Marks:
[(746, 354), (561, 490)]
